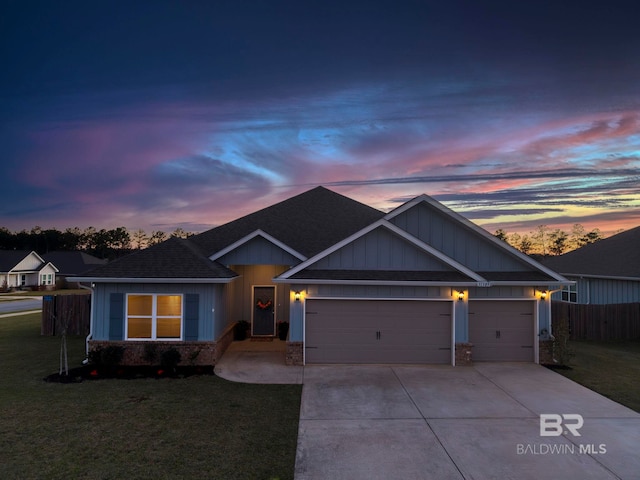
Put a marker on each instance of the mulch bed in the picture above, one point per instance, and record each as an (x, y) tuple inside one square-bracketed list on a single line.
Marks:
[(91, 372), (557, 367)]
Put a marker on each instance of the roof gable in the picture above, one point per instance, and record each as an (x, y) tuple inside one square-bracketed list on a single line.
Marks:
[(258, 248), (616, 256), (307, 223), (20, 260), (384, 248), (462, 240)]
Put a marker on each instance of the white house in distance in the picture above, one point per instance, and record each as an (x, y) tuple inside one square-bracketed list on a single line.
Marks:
[(24, 269)]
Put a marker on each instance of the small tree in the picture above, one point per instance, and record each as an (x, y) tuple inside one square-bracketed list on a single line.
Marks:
[(561, 349), (64, 326)]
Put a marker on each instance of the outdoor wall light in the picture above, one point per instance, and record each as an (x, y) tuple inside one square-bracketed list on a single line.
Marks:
[(296, 295), (543, 295), (460, 296)]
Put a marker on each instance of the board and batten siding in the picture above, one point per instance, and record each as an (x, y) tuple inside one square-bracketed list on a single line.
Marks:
[(240, 292), (30, 262), (456, 241), (210, 309), (258, 251), (603, 291), (378, 250)]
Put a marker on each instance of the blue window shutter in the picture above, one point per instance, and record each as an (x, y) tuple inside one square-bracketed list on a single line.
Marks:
[(116, 316), (191, 307)]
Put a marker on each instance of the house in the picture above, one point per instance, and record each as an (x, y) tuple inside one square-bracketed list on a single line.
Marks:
[(25, 269), (604, 272), (420, 284), (72, 263)]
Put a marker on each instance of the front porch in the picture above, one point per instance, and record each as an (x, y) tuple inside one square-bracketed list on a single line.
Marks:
[(251, 361)]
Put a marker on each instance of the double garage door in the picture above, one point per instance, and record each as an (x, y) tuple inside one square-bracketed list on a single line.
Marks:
[(402, 331), (502, 331), (377, 331)]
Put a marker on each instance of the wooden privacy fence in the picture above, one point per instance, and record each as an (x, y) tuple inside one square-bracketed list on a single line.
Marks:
[(74, 309), (599, 322)]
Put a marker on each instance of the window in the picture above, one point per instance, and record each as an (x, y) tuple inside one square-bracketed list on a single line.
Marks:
[(46, 279), (570, 293), (154, 317)]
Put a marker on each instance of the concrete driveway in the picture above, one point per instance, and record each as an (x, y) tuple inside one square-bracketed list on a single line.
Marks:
[(440, 422)]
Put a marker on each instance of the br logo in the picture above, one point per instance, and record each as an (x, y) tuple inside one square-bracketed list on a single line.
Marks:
[(551, 424)]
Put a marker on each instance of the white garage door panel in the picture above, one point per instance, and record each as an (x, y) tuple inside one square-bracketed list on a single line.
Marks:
[(502, 331), (377, 331)]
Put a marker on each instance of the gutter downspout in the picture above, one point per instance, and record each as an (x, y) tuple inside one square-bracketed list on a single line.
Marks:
[(86, 360)]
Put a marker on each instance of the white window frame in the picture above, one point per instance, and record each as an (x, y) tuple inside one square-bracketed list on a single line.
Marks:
[(568, 291), (154, 318)]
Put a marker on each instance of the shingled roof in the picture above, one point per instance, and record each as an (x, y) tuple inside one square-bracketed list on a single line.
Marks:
[(616, 256), (175, 258), (309, 223), (10, 258), (73, 263)]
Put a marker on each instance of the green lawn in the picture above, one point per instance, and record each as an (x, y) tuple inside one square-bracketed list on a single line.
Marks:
[(609, 368), (196, 427)]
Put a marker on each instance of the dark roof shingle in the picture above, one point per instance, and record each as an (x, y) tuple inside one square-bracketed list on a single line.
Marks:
[(616, 256), (73, 263), (173, 258), (309, 223), (383, 275)]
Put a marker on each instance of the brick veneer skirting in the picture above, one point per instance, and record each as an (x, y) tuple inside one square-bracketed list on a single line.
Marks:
[(191, 353), (294, 353), (464, 353)]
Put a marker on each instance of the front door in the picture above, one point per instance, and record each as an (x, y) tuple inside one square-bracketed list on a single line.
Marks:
[(263, 311)]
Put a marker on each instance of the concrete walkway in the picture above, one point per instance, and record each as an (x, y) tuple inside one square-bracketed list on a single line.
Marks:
[(442, 422), (259, 361)]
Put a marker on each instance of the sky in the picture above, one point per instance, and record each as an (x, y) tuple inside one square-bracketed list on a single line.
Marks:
[(166, 114)]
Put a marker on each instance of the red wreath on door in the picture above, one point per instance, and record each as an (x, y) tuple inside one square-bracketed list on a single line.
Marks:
[(264, 305)]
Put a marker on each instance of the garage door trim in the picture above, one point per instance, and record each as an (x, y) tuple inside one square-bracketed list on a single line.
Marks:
[(383, 299)]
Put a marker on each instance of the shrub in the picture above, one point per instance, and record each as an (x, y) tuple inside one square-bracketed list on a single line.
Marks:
[(170, 359), (150, 352), (240, 330), (106, 359)]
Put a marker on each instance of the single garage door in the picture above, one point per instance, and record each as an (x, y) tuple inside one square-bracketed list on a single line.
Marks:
[(377, 331), (502, 331)]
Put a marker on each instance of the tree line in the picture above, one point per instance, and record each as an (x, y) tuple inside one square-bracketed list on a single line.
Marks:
[(101, 243), (546, 241), (116, 242)]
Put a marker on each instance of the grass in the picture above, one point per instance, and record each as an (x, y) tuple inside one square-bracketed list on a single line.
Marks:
[(196, 427), (609, 368)]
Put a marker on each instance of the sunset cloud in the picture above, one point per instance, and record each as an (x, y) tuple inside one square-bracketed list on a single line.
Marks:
[(224, 110)]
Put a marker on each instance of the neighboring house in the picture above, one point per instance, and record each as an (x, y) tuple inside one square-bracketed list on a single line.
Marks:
[(25, 269), (72, 264), (605, 272), (420, 284)]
